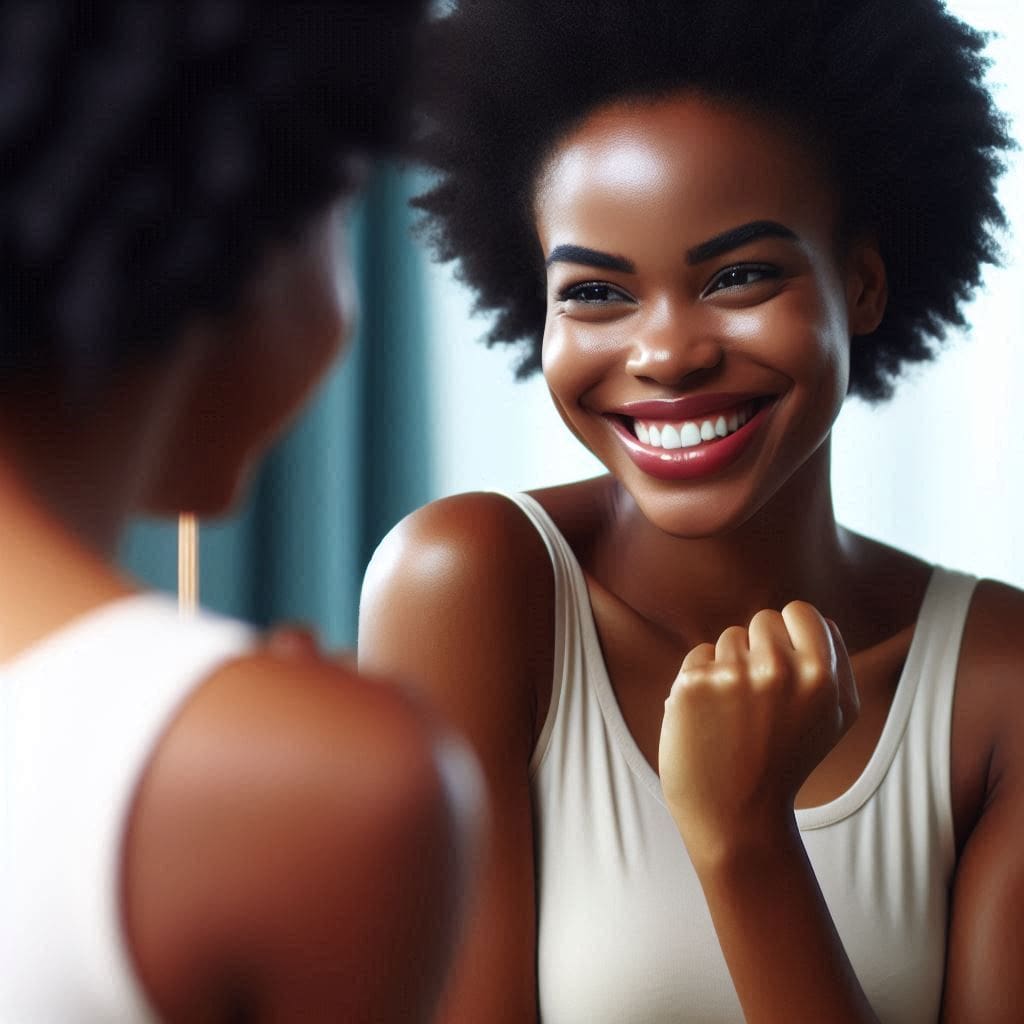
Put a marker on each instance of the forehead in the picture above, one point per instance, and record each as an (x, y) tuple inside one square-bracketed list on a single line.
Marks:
[(681, 165)]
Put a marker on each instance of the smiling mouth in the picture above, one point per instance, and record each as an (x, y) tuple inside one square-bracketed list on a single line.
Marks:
[(672, 434)]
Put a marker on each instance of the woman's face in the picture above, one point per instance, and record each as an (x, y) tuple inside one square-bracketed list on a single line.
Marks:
[(699, 315), (254, 369)]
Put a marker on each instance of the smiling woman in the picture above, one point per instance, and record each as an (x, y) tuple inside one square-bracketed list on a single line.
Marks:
[(893, 461), (709, 715)]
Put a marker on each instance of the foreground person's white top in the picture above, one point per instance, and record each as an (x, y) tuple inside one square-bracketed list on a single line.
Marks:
[(624, 931), (80, 715)]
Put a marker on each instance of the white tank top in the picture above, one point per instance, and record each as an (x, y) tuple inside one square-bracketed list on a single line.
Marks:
[(624, 933), (80, 714)]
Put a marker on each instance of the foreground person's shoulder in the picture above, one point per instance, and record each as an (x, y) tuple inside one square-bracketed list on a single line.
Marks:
[(298, 825)]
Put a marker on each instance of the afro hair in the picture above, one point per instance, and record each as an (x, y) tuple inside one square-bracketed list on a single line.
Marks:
[(151, 151), (892, 94)]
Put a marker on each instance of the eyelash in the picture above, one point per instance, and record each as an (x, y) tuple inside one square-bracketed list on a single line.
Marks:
[(574, 292), (765, 270)]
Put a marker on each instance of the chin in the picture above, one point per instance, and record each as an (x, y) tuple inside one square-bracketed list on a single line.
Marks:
[(696, 516)]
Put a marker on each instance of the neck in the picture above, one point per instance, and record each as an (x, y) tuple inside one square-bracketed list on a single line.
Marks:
[(792, 548), (88, 467), (49, 575), (67, 486)]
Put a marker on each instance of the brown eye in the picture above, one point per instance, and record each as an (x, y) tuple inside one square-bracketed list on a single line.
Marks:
[(593, 293), (738, 277)]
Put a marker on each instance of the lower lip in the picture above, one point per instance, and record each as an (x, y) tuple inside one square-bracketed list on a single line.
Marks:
[(698, 461)]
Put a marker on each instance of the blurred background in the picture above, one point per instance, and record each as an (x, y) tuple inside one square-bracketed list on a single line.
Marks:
[(421, 408)]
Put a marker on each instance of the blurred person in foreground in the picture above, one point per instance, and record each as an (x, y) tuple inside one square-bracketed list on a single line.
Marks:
[(195, 825)]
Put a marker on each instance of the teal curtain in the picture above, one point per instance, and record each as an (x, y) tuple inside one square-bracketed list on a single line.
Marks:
[(352, 466)]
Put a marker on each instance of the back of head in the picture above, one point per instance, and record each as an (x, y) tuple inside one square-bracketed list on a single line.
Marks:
[(150, 150)]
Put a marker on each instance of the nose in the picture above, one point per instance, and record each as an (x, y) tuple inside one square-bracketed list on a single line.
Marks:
[(669, 347)]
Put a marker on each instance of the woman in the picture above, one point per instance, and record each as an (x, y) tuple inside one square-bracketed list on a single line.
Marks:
[(745, 763), (195, 826)]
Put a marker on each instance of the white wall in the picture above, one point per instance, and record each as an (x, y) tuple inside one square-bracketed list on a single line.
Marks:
[(938, 471)]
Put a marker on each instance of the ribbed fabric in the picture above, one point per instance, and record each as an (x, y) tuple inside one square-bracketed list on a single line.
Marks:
[(80, 714), (624, 931)]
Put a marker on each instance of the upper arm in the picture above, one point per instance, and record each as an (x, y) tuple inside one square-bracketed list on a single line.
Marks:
[(458, 600), (984, 975), (294, 839)]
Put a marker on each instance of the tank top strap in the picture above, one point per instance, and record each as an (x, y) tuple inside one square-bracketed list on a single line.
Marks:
[(937, 637), (572, 606)]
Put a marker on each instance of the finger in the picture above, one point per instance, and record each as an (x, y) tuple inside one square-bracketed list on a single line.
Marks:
[(292, 641), (771, 658), (694, 667), (811, 638), (767, 630), (701, 655), (733, 645), (849, 696)]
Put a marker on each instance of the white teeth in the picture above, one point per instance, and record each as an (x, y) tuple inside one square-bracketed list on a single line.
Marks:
[(670, 437), (689, 435)]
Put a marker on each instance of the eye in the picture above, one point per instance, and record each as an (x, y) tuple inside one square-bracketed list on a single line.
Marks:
[(739, 276), (593, 293)]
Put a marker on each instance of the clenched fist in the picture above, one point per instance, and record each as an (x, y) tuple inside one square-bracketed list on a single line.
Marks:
[(747, 721)]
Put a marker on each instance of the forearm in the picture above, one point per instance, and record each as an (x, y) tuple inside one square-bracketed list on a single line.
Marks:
[(780, 944)]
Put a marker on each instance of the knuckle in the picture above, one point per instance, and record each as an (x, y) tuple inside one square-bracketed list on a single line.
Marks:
[(691, 683), (769, 670), (812, 672), (730, 676)]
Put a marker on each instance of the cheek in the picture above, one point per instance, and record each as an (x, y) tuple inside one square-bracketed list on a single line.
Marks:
[(576, 356), (563, 373), (556, 362)]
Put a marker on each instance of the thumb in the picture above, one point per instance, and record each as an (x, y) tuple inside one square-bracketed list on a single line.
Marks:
[(848, 695)]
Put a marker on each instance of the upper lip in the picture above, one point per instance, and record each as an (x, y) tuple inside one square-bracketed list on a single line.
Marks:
[(687, 407)]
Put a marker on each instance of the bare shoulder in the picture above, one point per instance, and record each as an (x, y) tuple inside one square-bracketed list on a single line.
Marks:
[(988, 710), (481, 540), (297, 825), (459, 599), (994, 636), (990, 671), (983, 979)]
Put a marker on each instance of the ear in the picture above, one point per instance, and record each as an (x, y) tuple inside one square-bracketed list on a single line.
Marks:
[(867, 289)]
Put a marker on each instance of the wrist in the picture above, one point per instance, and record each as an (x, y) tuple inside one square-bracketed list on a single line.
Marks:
[(753, 843)]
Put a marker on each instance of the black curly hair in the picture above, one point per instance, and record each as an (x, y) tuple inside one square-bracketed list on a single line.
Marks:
[(151, 150), (891, 94)]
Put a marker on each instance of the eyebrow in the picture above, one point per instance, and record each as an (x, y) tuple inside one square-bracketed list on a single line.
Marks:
[(717, 246), (590, 258), (735, 237)]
